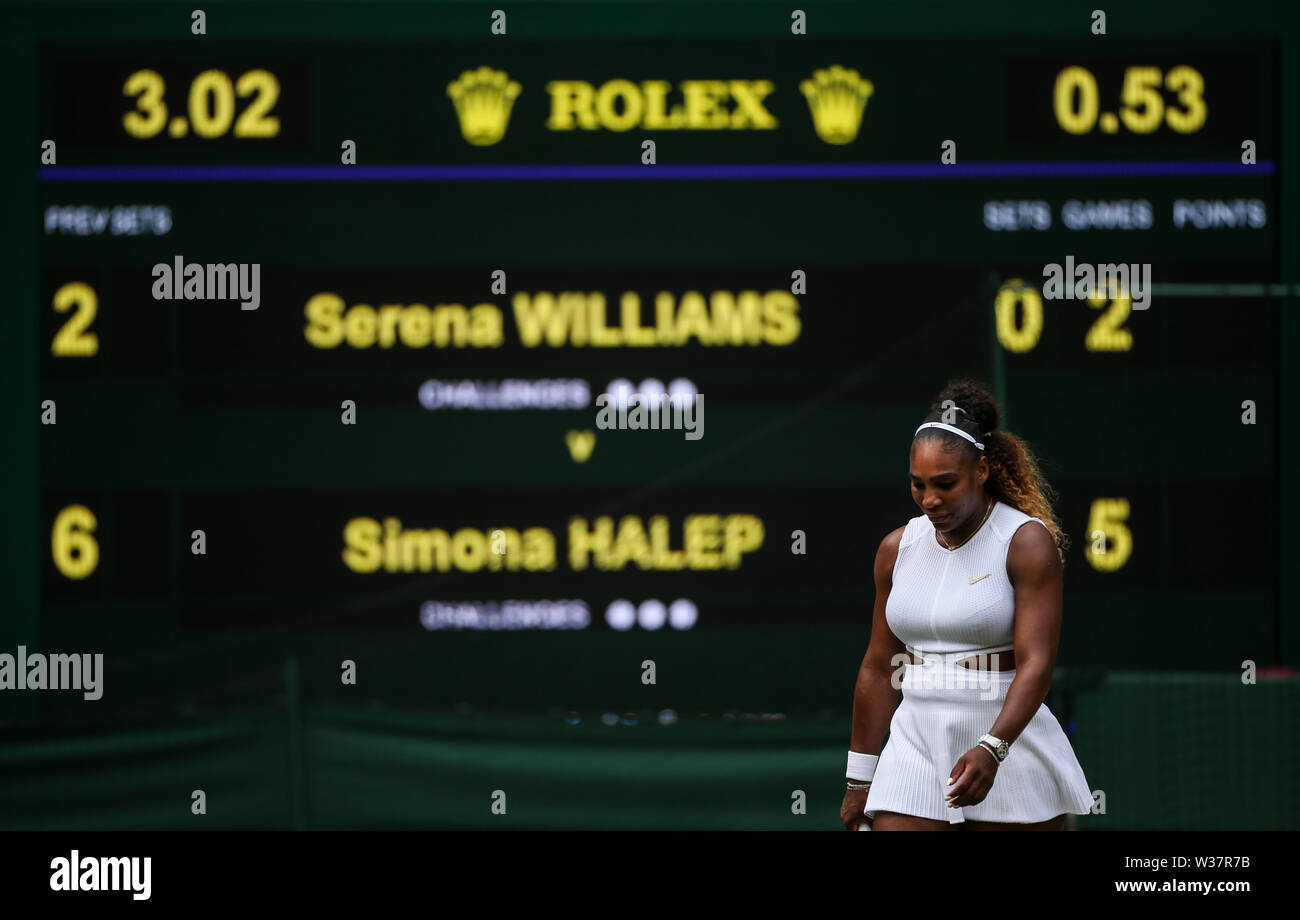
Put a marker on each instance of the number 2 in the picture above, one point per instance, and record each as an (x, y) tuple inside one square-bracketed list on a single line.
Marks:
[(1106, 333), (73, 341)]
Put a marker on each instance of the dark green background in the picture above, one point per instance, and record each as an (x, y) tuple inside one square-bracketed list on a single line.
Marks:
[(1162, 428)]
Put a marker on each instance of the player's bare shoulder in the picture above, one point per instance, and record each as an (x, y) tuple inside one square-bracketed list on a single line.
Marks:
[(1032, 556), (887, 555), (1032, 545)]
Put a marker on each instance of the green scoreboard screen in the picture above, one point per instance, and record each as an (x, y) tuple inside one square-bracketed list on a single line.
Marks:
[(324, 326)]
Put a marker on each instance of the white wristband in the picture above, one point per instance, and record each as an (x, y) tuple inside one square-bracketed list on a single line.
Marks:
[(862, 766)]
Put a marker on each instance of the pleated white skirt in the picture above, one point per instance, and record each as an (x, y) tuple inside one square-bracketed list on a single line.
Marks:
[(945, 710)]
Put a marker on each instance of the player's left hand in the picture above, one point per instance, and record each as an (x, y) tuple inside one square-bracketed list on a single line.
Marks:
[(972, 778)]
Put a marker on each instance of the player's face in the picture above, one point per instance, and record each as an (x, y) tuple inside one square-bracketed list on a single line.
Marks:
[(944, 485)]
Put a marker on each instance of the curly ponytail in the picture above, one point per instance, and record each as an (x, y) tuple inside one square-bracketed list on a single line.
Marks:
[(1014, 476)]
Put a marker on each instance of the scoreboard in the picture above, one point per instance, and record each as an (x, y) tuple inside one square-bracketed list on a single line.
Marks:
[(323, 326)]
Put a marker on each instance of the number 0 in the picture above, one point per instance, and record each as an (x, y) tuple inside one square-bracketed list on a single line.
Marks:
[(1024, 336), (1076, 118)]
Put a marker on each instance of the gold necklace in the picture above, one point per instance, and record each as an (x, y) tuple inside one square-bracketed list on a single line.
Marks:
[(987, 512)]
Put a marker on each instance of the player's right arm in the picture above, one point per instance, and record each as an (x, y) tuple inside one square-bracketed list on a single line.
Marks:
[(874, 697)]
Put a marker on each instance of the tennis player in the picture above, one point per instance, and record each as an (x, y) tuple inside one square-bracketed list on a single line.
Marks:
[(968, 603)]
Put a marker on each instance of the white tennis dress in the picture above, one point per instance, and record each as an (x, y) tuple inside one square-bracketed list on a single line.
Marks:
[(946, 605)]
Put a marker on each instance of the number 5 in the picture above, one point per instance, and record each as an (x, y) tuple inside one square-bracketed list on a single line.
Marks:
[(1106, 523), (1140, 89)]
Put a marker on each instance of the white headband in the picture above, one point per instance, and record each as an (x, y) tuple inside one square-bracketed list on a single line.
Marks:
[(951, 428)]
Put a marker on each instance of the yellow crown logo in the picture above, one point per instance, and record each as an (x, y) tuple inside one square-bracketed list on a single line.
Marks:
[(836, 97), (483, 99)]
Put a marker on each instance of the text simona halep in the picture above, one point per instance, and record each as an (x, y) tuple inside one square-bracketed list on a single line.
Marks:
[(708, 541)]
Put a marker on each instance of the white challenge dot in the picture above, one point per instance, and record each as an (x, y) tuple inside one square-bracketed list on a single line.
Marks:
[(651, 391), (620, 392), (682, 614), (652, 614), (620, 615), (681, 392)]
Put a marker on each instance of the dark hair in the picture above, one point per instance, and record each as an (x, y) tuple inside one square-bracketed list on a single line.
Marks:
[(1014, 477)]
